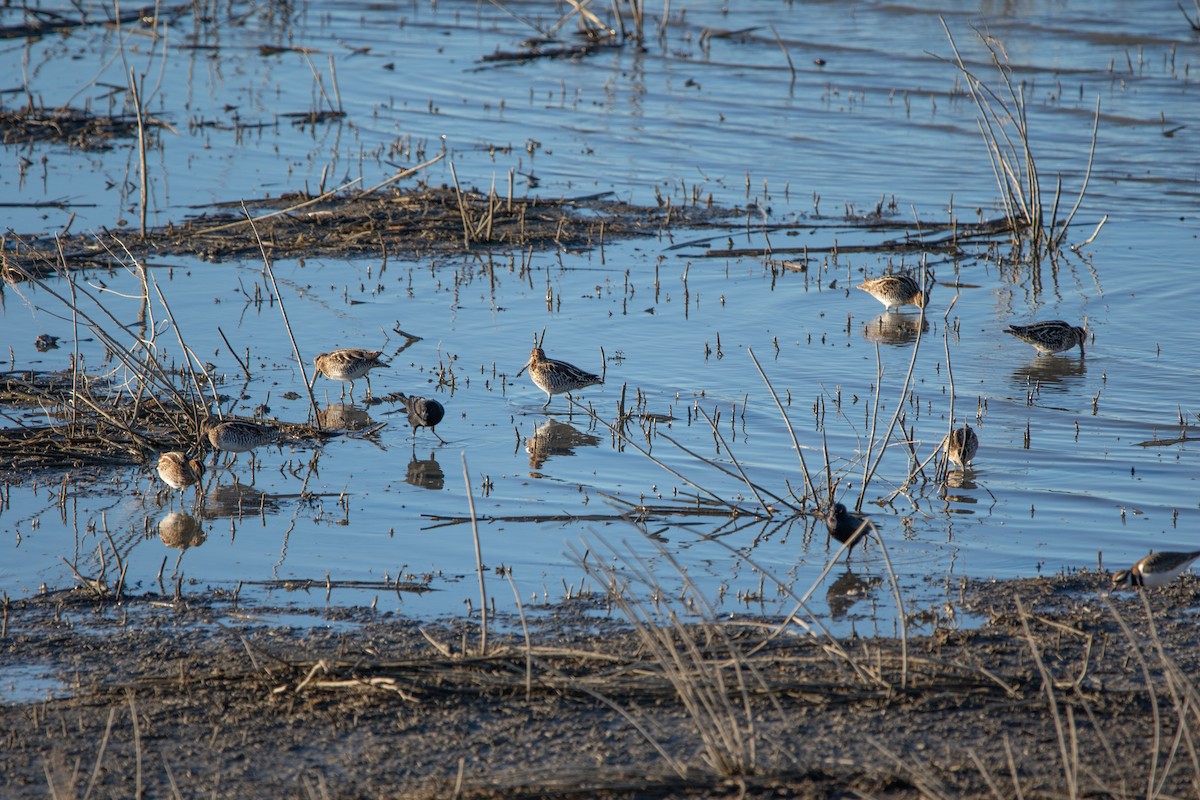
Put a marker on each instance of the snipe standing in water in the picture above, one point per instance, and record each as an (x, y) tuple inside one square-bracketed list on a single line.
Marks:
[(1156, 569), (846, 527), (423, 412), (348, 365), (178, 471), (1053, 336), (556, 377), (237, 435), (961, 445), (895, 291)]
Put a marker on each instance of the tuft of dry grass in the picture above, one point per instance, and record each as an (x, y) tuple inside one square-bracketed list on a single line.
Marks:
[(1004, 125)]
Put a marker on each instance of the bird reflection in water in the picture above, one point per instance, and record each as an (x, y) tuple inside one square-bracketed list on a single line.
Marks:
[(895, 329), (425, 473), (554, 438), (181, 531), (236, 500), (847, 590), (1050, 371), (344, 417)]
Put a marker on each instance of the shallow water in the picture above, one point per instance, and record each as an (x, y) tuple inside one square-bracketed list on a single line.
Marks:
[(691, 113)]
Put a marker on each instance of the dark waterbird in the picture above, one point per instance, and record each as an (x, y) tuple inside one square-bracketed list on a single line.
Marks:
[(846, 527), (423, 412)]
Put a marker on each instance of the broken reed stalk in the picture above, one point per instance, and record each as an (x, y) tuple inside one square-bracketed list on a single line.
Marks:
[(809, 490), (135, 93), (1135, 646), (616, 432), (887, 560), (1070, 775), (524, 632), (1056, 239), (144, 370), (463, 211), (741, 472), (282, 310), (786, 54), (483, 610), (190, 357), (1183, 694), (871, 468)]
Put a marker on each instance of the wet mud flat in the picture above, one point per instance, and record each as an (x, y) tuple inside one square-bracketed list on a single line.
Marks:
[(1065, 690)]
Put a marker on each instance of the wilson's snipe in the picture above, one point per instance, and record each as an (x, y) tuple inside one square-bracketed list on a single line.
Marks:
[(1156, 569), (1053, 336), (961, 445), (237, 435), (348, 365), (556, 377), (178, 471), (895, 291)]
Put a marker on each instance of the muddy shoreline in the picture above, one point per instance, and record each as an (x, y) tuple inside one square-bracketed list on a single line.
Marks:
[(229, 704)]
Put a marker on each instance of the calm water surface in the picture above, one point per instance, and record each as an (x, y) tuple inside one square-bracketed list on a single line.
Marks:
[(1060, 480)]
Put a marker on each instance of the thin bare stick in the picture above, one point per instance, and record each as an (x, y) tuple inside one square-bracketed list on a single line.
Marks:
[(525, 632), (232, 352), (463, 211), (786, 54), (291, 209), (733, 458), (1087, 176), (295, 347), (808, 484), (1055, 714), (483, 610), (887, 560), (904, 389), (135, 93)]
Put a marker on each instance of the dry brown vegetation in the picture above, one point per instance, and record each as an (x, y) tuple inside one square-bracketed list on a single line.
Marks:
[(1063, 693)]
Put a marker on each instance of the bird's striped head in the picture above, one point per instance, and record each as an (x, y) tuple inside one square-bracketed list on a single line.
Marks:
[(1125, 577)]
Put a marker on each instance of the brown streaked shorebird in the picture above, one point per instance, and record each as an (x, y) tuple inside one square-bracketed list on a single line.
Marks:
[(845, 527), (423, 412), (348, 365), (895, 291), (1156, 569), (178, 471), (556, 377), (961, 445), (237, 435), (1052, 336)]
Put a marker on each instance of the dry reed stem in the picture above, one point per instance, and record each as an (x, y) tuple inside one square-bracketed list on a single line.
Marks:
[(741, 472), (483, 610), (808, 484), (617, 432), (135, 93), (869, 472), (525, 634), (1069, 765), (286, 324)]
